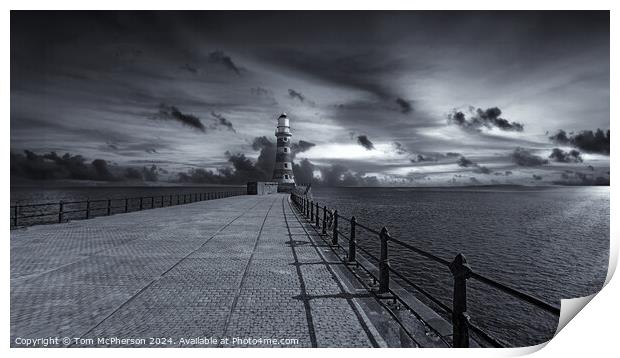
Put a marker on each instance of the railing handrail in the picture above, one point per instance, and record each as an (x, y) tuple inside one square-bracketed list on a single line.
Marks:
[(194, 197), (462, 268)]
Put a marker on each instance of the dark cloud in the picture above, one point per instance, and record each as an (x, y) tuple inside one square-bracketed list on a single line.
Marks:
[(399, 148), (294, 94), (405, 106), (507, 173), (489, 118), (301, 146), (259, 142), (482, 170), (464, 162), (335, 175), (452, 154), (267, 156), (298, 95), (524, 158), (365, 142), (150, 174), (51, 166), (304, 172), (219, 57), (537, 177), (174, 114), (338, 175), (359, 71), (422, 158), (242, 171), (222, 121), (203, 176), (243, 168), (260, 91), (416, 175), (133, 174), (578, 179), (587, 141), (102, 170), (572, 156)]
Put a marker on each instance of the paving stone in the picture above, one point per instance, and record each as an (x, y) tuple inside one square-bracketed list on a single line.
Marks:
[(243, 267)]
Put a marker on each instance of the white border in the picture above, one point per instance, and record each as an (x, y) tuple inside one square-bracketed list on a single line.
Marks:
[(593, 331)]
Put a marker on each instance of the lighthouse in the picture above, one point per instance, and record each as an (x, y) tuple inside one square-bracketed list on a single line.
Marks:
[(283, 169)]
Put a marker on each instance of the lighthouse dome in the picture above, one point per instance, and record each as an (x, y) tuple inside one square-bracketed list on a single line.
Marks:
[(283, 120)]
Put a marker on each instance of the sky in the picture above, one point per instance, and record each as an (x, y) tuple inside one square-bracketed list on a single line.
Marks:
[(404, 98)]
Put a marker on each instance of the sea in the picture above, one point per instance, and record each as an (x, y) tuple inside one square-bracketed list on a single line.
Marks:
[(550, 242)]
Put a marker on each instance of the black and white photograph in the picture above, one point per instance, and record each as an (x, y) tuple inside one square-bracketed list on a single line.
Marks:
[(305, 178)]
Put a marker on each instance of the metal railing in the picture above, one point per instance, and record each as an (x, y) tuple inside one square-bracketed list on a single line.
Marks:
[(458, 267), (58, 212)]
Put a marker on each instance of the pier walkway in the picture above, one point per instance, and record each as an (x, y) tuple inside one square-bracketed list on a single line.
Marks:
[(246, 268)]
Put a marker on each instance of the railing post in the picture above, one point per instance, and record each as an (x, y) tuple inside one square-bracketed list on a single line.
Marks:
[(152, 202), (351, 256), (16, 215), (109, 206), (140, 203), (460, 320), (316, 215), (384, 264), (335, 231), (60, 207), (161, 204), (324, 231), (311, 211), (88, 209), (126, 204)]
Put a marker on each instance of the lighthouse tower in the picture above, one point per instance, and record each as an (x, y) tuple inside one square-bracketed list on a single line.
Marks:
[(283, 170)]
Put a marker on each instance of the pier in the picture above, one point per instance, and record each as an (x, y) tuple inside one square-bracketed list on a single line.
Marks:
[(267, 271), (244, 266)]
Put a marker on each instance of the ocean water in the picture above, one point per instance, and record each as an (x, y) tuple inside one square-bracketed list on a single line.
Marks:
[(550, 242)]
